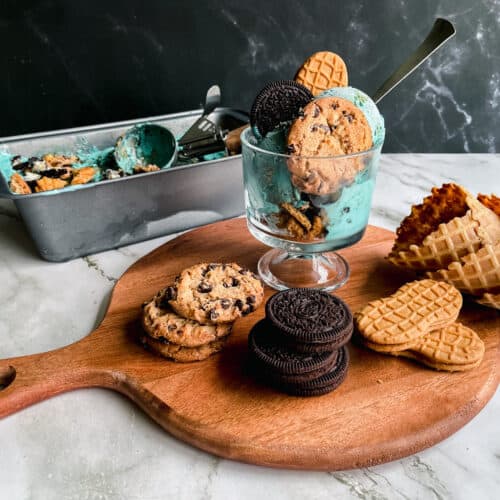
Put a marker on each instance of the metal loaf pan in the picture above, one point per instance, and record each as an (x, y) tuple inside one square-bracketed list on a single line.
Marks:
[(109, 214)]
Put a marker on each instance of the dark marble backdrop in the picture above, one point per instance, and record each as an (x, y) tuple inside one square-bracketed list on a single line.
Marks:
[(68, 63)]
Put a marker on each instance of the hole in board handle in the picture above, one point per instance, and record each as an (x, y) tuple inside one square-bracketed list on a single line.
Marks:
[(7, 376)]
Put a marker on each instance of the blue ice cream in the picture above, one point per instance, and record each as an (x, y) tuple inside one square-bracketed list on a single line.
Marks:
[(141, 145), (145, 144), (268, 182), (346, 212), (365, 103)]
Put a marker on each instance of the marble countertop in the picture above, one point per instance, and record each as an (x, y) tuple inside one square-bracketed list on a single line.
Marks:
[(95, 444)]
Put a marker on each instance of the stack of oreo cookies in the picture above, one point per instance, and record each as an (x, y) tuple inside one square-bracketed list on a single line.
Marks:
[(299, 348)]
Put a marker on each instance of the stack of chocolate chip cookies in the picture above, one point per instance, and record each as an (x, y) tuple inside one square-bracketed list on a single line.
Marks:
[(299, 348), (191, 320)]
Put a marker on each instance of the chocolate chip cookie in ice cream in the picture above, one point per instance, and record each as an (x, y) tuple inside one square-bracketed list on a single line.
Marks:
[(329, 126)]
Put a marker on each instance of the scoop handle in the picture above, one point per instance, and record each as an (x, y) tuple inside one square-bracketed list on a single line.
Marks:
[(441, 32)]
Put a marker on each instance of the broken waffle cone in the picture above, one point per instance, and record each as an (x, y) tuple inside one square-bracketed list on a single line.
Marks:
[(490, 300), (411, 312), (449, 224), (477, 273), (491, 201)]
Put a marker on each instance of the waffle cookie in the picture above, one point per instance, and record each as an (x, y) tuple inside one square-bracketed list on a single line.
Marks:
[(322, 71), (449, 224), (408, 314), (452, 348)]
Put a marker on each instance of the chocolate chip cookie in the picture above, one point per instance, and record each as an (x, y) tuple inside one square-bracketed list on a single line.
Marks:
[(329, 126), (215, 293), (183, 354), (161, 322)]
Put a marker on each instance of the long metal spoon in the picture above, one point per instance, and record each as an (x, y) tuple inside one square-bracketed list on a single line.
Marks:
[(440, 33)]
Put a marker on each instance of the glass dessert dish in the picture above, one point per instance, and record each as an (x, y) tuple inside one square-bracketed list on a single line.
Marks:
[(305, 208)]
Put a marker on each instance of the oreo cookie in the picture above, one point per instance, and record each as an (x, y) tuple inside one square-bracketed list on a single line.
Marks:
[(268, 375), (278, 102), (310, 320), (309, 384), (324, 384), (277, 359)]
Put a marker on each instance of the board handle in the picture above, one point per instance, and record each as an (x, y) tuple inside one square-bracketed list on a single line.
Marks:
[(29, 379)]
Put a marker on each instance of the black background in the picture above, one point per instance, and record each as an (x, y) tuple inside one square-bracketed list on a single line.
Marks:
[(67, 63)]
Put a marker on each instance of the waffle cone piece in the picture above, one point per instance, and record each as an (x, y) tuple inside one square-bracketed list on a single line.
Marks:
[(477, 273), (408, 314), (490, 300), (449, 224), (491, 201)]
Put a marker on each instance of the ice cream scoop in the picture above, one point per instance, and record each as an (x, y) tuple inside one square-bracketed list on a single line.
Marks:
[(145, 144), (365, 103)]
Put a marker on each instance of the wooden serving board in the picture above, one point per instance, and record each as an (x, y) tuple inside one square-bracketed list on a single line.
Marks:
[(386, 409)]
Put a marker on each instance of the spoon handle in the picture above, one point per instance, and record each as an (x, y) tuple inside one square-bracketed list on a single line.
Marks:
[(442, 31)]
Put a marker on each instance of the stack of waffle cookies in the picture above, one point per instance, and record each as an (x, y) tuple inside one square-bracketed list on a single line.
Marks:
[(299, 348), (192, 319), (454, 237), (418, 322)]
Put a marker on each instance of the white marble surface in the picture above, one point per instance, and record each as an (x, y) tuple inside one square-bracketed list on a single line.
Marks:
[(95, 444)]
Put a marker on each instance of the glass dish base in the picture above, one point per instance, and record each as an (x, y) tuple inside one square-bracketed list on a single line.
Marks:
[(281, 270)]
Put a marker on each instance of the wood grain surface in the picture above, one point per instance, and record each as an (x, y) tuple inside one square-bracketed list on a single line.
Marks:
[(386, 409)]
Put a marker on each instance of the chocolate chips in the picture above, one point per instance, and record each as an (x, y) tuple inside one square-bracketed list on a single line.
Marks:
[(204, 287), (225, 303), (239, 304), (171, 293)]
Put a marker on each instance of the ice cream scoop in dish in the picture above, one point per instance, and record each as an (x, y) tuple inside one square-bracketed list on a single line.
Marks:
[(309, 167), (145, 145), (303, 229)]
